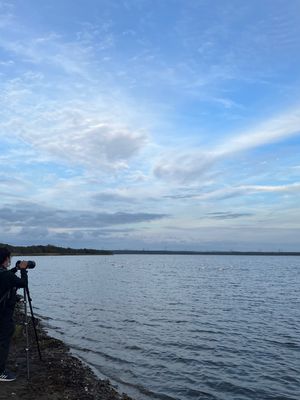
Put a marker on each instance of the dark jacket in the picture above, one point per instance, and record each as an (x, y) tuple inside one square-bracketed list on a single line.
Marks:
[(9, 283)]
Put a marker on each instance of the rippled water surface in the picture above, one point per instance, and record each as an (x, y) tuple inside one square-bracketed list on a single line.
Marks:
[(178, 327)]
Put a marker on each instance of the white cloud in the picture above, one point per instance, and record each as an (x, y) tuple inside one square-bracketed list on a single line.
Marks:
[(104, 145), (270, 131), (7, 63), (96, 132), (48, 50), (190, 166), (244, 190)]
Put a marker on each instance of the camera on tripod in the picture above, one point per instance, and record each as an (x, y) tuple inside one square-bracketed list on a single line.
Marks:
[(30, 264)]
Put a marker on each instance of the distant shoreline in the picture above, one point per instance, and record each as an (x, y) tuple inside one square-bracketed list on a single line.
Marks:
[(210, 253), (51, 250), (162, 252)]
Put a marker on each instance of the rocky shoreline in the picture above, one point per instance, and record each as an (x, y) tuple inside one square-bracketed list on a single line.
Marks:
[(58, 376)]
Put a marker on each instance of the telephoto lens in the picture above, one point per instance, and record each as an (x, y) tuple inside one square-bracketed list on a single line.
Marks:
[(30, 264)]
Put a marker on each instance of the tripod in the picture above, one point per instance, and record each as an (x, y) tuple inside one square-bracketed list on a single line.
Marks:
[(28, 298)]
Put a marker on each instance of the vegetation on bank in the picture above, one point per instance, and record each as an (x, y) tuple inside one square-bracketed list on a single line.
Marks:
[(56, 250), (52, 250)]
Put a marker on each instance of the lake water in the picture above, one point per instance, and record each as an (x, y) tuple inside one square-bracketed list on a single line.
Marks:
[(178, 327)]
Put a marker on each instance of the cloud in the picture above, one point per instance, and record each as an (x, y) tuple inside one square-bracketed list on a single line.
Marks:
[(8, 63), (34, 232), (6, 15), (112, 197), (227, 215), (78, 114), (11, 183), (91, 133), (245, 190), (228, 192), (32, 216), (293, 187), (49, 51), (27, 223), (191, 166), (273, 130), (101, 145), (186, 167)]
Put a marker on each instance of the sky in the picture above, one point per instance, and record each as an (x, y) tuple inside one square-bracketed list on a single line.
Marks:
[(150, 124)]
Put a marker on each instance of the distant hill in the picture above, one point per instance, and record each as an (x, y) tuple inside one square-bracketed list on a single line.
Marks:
[(55, 250)]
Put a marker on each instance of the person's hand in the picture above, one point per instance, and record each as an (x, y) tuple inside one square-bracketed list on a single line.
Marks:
[(23, 265)]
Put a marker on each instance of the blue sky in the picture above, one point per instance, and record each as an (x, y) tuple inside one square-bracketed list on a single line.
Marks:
[(171, 124)]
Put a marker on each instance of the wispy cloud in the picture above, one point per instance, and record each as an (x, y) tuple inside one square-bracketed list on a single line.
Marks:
[(191, 166), (270, 131), (222, 215), (234, 191), (50, 51), (231, 191)]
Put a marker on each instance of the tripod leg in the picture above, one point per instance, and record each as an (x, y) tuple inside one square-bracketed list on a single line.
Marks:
[(26, 332), (33, 322)]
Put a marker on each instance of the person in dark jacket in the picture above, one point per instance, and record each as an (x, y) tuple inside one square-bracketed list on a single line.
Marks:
[(9, 283)]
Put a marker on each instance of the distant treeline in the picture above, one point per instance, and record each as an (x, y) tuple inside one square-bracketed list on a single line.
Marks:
[(56, 250), (211, 253), (50, 249)]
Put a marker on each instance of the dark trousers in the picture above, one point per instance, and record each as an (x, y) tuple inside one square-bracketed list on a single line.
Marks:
[(7, 328)]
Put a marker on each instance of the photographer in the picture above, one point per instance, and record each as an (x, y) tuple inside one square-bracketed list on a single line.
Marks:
[(9, 283)]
